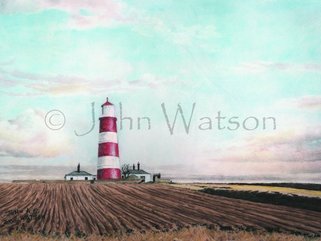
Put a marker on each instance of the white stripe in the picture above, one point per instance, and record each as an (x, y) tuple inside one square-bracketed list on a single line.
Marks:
[(108, 137), (106, 167), (108, 111), (108, 162)]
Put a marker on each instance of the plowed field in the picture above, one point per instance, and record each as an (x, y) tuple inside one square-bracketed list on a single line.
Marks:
[(83, 208)]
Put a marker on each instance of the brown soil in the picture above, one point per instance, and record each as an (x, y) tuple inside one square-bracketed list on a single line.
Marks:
[(186, 234), (81, 209)]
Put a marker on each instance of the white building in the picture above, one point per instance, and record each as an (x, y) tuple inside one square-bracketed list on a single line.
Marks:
[(79, 175), (140, 174)]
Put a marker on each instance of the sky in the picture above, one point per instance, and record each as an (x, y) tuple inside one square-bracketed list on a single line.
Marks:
[(256, 64)]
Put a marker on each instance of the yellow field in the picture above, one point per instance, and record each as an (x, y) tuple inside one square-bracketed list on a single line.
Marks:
[(236, 187)]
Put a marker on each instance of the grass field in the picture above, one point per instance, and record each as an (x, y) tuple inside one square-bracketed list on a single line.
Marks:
[(253, 188), (283, 194)]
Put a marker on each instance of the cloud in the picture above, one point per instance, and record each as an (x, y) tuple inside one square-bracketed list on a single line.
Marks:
[(288, 152), (309, 102), (187, 36), (7, 62), (27, 136), (83, 14), (263, 66), (38, 84)]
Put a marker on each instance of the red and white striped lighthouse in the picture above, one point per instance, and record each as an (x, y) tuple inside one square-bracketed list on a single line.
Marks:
[(108, 167)]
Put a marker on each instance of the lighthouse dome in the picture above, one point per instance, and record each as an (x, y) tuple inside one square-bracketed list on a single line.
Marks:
[(107, 103)]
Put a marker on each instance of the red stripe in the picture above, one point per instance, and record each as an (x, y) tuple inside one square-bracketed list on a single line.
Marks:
[(108, 124), (108, 174), (108, 149)]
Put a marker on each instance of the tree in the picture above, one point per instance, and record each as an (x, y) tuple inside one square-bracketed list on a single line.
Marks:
[(125, 170)]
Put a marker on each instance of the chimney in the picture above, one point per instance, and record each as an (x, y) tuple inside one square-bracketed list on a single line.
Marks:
[(133, 166), (78, 167), (138, 166)]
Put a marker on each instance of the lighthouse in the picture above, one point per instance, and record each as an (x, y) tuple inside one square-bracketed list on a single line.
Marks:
[(108, 167)]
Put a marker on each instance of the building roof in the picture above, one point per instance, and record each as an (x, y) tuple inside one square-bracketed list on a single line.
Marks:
[(106, 103), (140, 171), (80, 173)]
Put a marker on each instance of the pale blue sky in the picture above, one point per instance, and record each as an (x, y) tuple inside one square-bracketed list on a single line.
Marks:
[(260, 58)]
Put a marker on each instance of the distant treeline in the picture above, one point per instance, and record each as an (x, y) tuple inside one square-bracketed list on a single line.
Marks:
[(307, 186), (310, 203)]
